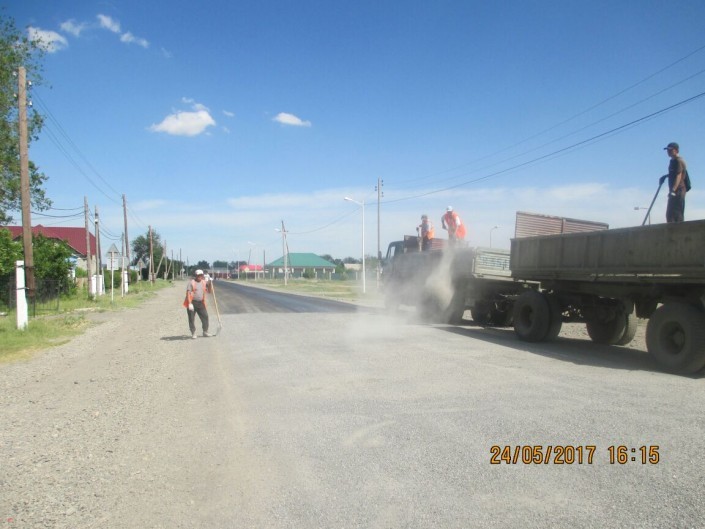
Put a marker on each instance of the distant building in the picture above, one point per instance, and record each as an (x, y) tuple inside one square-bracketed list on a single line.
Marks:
[(74, 237), (298, 263)]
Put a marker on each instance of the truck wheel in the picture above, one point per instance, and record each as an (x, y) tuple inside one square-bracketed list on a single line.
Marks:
[(607, 332), (675, 337), (629, 330), (556, 318), (481, 313), (532, 316)]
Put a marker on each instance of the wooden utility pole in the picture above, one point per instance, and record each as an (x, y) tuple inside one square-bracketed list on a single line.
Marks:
[(98, 260), (126, 255), (89, 265), (24, 182), (151, 257)]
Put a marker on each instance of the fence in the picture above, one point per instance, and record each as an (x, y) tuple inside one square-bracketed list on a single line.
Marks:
[(46, 298)]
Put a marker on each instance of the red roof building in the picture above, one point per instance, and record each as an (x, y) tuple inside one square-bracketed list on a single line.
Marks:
[(74, 237)]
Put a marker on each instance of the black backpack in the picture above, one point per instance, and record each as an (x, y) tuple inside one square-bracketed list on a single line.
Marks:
[(687, 181)]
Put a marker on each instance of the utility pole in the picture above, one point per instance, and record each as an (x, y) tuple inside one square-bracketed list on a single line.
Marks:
[(166, 264), (126, 255), (151, 257), (286, 264), (98, 260), (24, 182), (89, 264)]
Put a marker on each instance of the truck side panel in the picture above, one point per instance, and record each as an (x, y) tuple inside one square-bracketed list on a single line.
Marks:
[(662, 250)]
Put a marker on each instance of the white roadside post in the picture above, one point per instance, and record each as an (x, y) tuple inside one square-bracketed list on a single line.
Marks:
[(22, 313)]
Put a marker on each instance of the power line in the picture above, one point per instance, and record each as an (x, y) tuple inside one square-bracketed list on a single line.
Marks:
[(71, 143), (592, 139), (567, 120)]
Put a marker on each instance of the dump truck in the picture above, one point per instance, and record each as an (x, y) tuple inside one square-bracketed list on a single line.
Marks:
[(607, 279)]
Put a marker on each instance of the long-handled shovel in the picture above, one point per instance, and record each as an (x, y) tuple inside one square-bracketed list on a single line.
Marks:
[(215, 301), (648, 212)]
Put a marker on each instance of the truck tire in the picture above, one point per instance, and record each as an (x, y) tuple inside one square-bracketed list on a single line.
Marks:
[(675, 337), (481, 313), (629, 330), (532, 316), (607, 332), (556, 318)]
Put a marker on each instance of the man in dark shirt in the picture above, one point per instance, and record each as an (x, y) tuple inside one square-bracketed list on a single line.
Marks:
[(677, 171)]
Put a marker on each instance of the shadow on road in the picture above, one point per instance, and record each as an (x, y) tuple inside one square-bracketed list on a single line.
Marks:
[(176, 338), (576, 351)]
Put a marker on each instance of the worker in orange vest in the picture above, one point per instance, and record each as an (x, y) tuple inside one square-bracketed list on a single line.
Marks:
[(426, 232), (455, 227), (195, 303)]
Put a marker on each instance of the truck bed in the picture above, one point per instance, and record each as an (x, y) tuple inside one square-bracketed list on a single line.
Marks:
[(665, 252)]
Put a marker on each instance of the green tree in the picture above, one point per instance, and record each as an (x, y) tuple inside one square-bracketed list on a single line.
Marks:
[(140, 249), (51, 258), (17, 49), (10, 251)]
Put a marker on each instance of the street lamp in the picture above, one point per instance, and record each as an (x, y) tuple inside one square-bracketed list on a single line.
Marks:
[(362, 204), (648, 215), (284, 251), (491, 230)]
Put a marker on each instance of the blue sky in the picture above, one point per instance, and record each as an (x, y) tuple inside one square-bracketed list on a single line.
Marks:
[(218, 123)]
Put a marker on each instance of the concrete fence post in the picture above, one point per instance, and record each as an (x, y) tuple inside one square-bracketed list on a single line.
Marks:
[(22, 309)]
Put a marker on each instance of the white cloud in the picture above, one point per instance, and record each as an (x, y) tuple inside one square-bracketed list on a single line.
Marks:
[(229, 114), (186, 123), (70, 26), (51, 41), (129, 38), (166, 53), (290, 119), (108, 23)]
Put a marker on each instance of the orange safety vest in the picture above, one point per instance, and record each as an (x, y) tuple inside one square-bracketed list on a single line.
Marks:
[(189, 293), (452, 221), (429, 233)]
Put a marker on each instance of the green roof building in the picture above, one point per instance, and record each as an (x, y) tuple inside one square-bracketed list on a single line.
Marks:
[(298, 263)]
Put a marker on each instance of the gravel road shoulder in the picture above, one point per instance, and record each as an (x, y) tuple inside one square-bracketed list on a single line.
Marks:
[(104, 422)]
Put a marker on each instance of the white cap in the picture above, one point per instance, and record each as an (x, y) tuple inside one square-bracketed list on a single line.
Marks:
[(449, 208), (199, 272)]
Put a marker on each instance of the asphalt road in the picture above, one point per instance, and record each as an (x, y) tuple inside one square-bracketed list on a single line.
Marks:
[(303, 414), (362, 420)]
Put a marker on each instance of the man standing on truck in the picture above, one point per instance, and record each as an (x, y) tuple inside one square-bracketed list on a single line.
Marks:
[(455, 227), (677, 174), (426, 233)]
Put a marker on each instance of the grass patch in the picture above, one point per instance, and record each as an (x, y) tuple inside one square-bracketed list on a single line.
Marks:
[(39, 334), (344, 290), (48, 330)]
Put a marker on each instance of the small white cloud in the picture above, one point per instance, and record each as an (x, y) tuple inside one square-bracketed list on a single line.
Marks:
[(290, 119), (226, 130), (229, 114), (129, 38), (51, 41), (108, 23), (73, 28), (166, 53), (185, 123)]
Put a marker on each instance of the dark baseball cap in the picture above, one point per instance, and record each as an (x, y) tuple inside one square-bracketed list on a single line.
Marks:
[(672, 145)]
